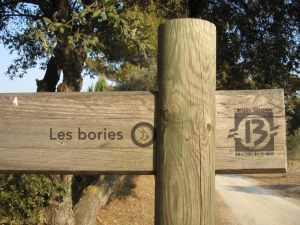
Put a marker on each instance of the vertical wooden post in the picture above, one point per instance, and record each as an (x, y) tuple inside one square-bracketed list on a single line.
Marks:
[(186, 123)]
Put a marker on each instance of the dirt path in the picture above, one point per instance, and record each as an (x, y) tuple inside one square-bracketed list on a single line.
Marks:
[(286, 184), (240, 200), (251, 204)]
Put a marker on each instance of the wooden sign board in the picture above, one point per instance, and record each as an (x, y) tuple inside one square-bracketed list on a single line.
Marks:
[(112, 132), (75, 132), (250, 131)]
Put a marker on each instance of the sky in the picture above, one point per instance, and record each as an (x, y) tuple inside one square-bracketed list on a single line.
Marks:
[(27, 83)]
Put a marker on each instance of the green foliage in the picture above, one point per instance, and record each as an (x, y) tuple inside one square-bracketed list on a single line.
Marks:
[(101, 85), (144, 20), (103, 31), (48, 31), (136, 78), (257, 41), (22, 198), (293, 115), (257, 49), (293, 145)]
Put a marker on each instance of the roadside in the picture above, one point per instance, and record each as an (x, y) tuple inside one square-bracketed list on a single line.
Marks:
[(287, 185), (135, 209), (138, 208), (253, 204), (240, 200)]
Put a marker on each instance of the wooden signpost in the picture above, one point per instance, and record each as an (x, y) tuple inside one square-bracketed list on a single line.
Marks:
[(111, 132), (197, 131)]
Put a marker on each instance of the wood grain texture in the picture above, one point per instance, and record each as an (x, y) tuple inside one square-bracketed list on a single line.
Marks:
[(26, 119), (186, 123), (263, 105), (25, 145)]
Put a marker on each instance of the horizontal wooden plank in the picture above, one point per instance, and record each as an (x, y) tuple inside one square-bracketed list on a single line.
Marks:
[(249, 99), (250, 131), (75, 132), (110, 132)]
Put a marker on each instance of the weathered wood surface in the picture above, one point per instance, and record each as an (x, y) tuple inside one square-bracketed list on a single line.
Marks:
[(25, 144), (26, 119), (186, 123), (263, 108)]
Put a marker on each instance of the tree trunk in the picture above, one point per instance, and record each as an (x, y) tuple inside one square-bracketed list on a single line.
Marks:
[(73, 61), (95, 197), (51, 78), (60, 211)]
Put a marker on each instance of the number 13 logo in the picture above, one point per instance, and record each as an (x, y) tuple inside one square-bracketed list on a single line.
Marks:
[(253, 132)]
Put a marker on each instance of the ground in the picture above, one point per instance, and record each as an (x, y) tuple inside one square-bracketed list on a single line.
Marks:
[(135, 209), (287, 185), (272, 189)]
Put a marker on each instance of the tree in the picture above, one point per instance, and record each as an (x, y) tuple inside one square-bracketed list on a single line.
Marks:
[(293, 145), (293, 117), (257, 42), (68, 33), (72, 38), (136, 78)]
